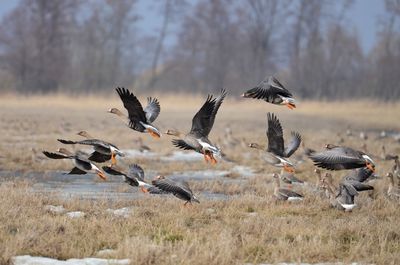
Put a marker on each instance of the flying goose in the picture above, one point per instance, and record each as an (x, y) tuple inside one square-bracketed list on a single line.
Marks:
[(272, 91), (82, 164), (202, 123), (179, 189), (276, 154), (340, 157), (138, 119), (103, 151), (362, 174), (134, 177), (285, 194), (344, 199)]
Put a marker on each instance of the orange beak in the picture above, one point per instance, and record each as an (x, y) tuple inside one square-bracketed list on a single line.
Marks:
[(370, 167), (113, 160), (153, 133), (290, 105), (288, 168), (144, 190), (101, 175)]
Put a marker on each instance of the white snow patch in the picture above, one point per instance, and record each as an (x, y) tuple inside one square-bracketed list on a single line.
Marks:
[(183, 156), (55, 209), (123, 212), (29, 260), (243, 171), (76, 214), (138, 154)]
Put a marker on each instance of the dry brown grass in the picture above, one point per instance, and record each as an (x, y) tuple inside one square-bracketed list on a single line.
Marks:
[(249, 227)]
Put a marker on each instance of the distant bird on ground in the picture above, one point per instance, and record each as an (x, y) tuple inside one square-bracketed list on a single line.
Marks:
[(386, 156), (104, 151), (393, 191), (272, 91), (340, 157), (141, 145), (138, 119), (82, 164), (202, 123), (276, 153), (179, 189), (290, 178), (134, 176), (283, 194)]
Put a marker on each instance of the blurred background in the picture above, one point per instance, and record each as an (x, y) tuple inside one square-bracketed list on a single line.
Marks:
[(320, 49)]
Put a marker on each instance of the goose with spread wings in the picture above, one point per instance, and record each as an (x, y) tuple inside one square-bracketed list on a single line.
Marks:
[(179, 189), (138, 119), (272, 91), (134, 176), (82, 164), (103, 151), (202, 123), (340, 157), (276, 153)]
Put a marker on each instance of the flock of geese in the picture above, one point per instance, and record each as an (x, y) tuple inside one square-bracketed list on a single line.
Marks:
[(276, 153)]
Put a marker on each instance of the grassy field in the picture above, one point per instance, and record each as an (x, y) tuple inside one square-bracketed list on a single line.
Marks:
[(249, 227)]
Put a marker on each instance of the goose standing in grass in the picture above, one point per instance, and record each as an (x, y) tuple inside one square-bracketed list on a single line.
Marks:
[(82, 164), (202, 123), (103, 151), (276, 154), (340, 157), (283, 194), (179, 189), (393, 191), (138, 119), (272, 91), (134, 177)]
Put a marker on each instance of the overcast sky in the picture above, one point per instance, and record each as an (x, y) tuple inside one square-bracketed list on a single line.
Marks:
[(363, 16)]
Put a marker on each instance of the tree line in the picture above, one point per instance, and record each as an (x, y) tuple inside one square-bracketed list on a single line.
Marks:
[(80, 46)]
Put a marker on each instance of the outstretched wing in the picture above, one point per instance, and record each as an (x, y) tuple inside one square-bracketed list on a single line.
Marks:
[(76, 171), (293, 145), (275, 135), (114, 170), (267, 90), (99, 157), (171, 186), (136, 171), (218, 104), (55, 155), (152, 109), (182, 144), (332, 159), (133, 106), (202, 120)]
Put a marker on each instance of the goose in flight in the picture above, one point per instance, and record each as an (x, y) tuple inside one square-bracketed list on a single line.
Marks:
[(138, 119), (340, 157), (272, 91), (82, 164), (134, 176), (202, 123), (179, 189), (103, 151), (276, 153)]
